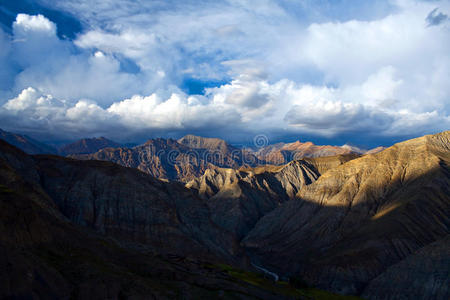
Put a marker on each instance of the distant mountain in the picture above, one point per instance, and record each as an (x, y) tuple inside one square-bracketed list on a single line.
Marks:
[(83, 146), (26, 143), (181, 160), (211, 144), (86, 146), (375, 150), (348, 227), (283, 153), (189, 157), (355, 149)]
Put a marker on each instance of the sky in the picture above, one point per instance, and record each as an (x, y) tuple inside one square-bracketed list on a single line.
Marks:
[(366, 73)]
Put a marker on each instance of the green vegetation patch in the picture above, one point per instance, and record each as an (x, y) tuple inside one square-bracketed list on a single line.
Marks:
[(281, 287), (5, 190)]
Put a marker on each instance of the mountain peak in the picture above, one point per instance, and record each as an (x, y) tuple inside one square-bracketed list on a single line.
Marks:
[(88, 145)]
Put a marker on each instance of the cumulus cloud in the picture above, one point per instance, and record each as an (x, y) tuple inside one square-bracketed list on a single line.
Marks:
[(292, 107), (25, 23), (39, 112), (59, 68), (318, 115), (297, 69)]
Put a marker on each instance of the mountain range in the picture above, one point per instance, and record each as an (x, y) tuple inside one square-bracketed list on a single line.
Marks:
[(102, 226), (186, 158), (26, 143)]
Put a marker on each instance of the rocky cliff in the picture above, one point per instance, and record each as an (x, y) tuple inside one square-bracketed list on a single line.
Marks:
[(181, 160), (239, 198)]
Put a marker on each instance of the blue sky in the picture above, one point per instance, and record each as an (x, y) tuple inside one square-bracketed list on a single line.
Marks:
[(363, 72)]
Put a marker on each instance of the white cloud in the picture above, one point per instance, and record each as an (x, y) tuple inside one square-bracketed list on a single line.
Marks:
[(25, 23), (381, 75), (26, 99), (295, 108), (382, 85)]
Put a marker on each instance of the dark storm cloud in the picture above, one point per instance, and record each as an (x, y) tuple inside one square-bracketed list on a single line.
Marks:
[(435, 17)]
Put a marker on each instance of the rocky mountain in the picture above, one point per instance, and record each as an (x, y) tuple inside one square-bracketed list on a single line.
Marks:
[(364, 222), (189, 157), (220, 153), (375, 225), (239, 198), (95, 230), (181, 160), (211, 144), (283, 153), (26, 143), (87, 146)]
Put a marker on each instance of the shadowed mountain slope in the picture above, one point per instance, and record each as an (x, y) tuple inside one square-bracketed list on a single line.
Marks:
[(423, 274), (359, 218), (122, 202), (26, 143)]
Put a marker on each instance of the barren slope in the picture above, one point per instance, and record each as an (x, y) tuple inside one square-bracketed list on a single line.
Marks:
[(361, 217)]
